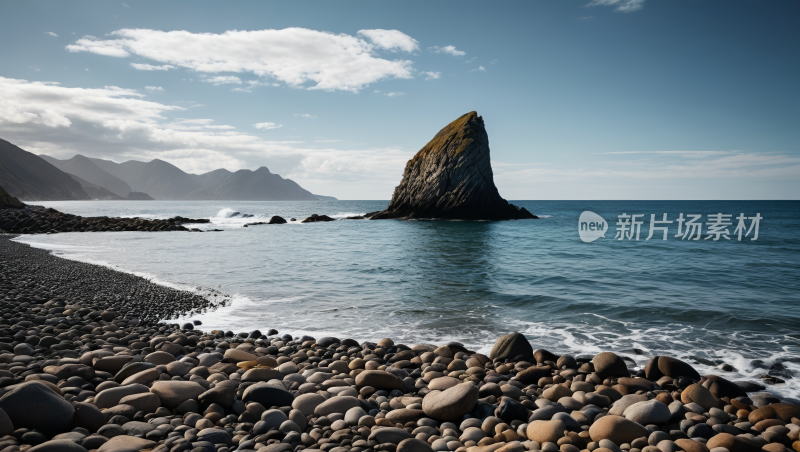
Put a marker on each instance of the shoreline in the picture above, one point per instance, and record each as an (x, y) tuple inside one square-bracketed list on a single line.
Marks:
[(729, 366), (104, 372)]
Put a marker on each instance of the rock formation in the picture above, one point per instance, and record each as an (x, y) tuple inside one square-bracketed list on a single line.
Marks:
[(451, 178), (40, 220), (9, 202)]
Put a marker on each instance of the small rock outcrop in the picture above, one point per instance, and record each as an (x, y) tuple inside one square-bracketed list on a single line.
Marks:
[(40, 220), (9, 202), (314, 218), (451, 179)]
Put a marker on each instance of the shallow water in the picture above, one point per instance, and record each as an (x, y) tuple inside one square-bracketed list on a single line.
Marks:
[(704, 301)]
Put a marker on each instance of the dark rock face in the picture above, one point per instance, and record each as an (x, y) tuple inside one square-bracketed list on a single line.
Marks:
[(659, 366), (510, 346), (720, 387), (267, 395), (541, 355), (608, 364), (277, 220), (451, 178), (9, 202), (314, 218), (37, 219), (34, 405)]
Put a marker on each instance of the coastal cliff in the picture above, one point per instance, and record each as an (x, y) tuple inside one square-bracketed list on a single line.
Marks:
[(9, 202), (451, 178)]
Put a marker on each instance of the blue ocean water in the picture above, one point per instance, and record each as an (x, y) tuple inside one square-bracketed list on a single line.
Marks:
[(708, 302)]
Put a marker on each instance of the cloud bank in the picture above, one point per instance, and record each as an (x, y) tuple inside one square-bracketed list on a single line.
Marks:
[(121, 124), (295, 56)]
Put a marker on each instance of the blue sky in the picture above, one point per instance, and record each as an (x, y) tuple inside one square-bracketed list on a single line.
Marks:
[(603, 99)]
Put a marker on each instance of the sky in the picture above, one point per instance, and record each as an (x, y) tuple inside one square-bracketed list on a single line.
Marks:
[(583, 99)]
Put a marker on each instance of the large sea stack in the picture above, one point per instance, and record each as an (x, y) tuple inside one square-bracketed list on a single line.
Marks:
[(451, 179)]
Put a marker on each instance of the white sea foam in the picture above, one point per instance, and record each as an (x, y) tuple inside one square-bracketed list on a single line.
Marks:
[(226, 213), (347, 214), (679, 341), (229, 218)]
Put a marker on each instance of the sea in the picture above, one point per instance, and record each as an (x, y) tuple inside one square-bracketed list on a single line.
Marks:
[(721, 298)]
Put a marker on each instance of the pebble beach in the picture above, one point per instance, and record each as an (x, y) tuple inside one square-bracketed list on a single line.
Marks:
[(89, 360)]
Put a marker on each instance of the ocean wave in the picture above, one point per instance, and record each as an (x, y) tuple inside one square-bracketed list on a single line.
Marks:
[(745, 352), (229, 218), (227, 213)]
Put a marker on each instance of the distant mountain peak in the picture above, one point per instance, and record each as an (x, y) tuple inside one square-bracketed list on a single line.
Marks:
[(107, 179), (30, 177), (88, 171)]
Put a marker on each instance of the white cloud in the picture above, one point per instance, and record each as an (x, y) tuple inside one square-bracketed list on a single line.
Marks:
[(150, 67), (224, 80), (625, 6), (154, 88), (471, 60), (392, 40), (395, 94), (52, 106), (125, 5), (86, 69), (119, 124), (447, 49), (479, 68), (295, 56), (267, 125), (253, 84), (50, 33), (432, 75), (304, 115)]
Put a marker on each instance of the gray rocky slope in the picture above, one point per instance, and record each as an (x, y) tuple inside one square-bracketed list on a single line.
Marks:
[(88, 171), (31, 178)]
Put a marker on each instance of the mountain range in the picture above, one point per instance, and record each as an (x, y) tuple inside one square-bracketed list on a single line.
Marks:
[(29, 177), (33, 177)]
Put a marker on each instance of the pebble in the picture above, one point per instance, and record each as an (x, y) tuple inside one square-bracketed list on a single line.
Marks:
[(84, 368)]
